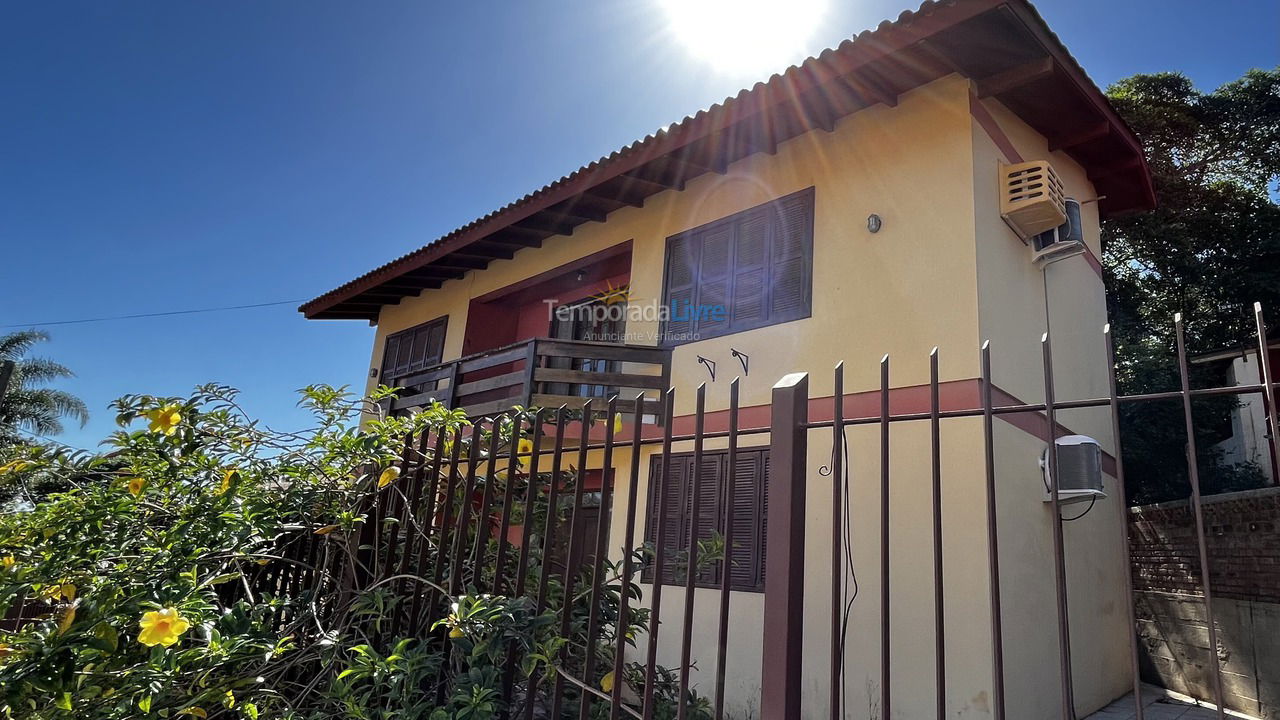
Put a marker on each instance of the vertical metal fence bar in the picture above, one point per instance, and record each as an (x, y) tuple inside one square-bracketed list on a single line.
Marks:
[(726, 495), (781, 672), (508, 497), (464, 513), (374, 534), (548, 543), (993, 540), (530, 502), (1059, 550), (1268, 392), (483, 525), (571, 556), (429, 505), (446, 520), (597, 563), (1193, 473), (513, 466), (836, 678), (660, 555), (939, 604), (443, 544), (1123, 503), (885, 634), (691, 553), (628, 542), (410, 523), (395, 502)]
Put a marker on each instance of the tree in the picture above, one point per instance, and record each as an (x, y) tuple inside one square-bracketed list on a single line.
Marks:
[(1209, 250), (27, 406)]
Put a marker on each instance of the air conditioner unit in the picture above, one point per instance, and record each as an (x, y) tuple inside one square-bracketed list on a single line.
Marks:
[(1061, 242), (1079, 469), (1031, 198)]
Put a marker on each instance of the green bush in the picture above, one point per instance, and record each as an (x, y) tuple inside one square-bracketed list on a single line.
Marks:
[(207, 566)]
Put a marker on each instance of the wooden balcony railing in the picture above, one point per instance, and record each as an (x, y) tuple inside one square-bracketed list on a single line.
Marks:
[(541, 372)]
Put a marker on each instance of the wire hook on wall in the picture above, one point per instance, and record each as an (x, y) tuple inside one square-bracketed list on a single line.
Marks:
[(743, 358), (711, 366)]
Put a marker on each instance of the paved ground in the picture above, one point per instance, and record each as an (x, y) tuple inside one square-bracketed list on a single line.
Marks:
[(1161, 704)]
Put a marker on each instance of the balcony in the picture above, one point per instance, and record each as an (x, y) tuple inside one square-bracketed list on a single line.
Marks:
[(541, 372)]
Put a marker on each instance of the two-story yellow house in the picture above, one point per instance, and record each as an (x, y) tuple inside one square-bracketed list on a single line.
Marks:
[(847, 208)]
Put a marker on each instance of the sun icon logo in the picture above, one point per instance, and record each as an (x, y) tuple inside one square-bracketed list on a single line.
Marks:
[(611, 295)]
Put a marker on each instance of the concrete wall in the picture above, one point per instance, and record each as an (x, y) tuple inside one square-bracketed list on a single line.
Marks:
[(1248, 441), (1243, 537)]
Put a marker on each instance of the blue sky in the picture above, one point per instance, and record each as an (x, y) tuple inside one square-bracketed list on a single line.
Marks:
[(160, 156)]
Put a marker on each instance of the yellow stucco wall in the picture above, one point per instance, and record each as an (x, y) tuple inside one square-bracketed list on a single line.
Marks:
[(1012, 296), (901, 291), (943, 271)]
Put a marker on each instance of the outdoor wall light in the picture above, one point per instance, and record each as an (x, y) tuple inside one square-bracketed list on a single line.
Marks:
[(373, 372), (582, 275), (873, 223)]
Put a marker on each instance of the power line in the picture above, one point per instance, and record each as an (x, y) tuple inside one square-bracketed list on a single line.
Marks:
[(151, 315)]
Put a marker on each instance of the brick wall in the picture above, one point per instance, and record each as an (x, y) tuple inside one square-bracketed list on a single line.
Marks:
[(1242, 532), (1243, 535)]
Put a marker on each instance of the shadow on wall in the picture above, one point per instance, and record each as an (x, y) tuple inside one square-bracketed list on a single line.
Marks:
[(1243, 539)]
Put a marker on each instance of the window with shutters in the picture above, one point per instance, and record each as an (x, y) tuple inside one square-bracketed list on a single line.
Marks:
[(744, 492), (414, 349), (746, 271)]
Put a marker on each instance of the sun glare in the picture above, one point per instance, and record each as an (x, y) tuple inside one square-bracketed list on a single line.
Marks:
[(745, 36)]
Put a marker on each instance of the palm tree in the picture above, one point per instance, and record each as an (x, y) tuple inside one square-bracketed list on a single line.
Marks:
[(27, 406)]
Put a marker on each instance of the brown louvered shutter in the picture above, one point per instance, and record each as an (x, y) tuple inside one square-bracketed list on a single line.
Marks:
[(715, 273), (414, 349), (709, 514), (762, 490), (683, 253), (747, 519), (791, 258), (390, 358), (750, 271), (672, 503)]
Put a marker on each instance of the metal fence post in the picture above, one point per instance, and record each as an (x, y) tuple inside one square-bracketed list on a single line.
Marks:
[(781, 674)]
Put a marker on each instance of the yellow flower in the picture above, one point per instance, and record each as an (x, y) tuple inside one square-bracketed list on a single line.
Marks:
[(59, 591), (136, 485), (15, 466), (617, 423), (606, 682), (226, 480), (162, 627), (7, 562), (388, 476), (229, 699), (68, 617), (525, 446), (165, 420)]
